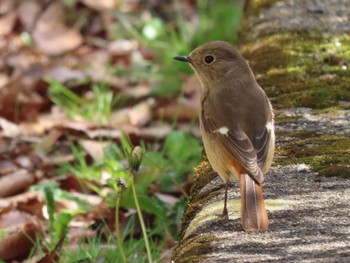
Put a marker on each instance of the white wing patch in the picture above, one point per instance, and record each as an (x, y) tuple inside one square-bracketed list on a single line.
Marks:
[(269, 126), (223, 130)]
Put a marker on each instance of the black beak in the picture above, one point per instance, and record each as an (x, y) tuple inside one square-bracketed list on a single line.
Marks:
[(183, 58)]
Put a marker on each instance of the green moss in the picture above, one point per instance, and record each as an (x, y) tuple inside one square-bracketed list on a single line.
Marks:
[(326, 154), (257, 5), (336, 170), (299, 70), (306, 70)]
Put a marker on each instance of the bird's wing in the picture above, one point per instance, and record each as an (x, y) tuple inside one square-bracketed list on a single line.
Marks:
[(262, 143), (234, 140)]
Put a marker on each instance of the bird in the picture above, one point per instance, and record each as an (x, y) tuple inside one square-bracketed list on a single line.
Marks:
[(237, 126)]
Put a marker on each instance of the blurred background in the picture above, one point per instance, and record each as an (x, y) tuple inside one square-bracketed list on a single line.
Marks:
[(82, 83)]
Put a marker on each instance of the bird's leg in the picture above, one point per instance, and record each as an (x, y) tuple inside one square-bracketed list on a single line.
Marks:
[(224, 212)]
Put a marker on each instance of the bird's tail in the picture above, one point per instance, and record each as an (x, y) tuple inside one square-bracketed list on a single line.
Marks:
[(253, 211)]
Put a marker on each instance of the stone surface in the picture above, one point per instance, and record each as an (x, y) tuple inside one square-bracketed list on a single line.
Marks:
[(309, 213), (327, 16), (310, 223)]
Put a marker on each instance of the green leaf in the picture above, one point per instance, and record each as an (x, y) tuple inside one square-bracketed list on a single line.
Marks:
[(159, 167), (50, 202), (61, 224), (183, 150), (152, 205)]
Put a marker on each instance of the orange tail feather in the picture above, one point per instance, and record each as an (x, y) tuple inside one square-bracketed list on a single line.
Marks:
[(253, 211)]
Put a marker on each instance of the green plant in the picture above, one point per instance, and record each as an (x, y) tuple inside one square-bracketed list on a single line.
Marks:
[(97, 109), (181, 152), (58, 221), (131, 186)]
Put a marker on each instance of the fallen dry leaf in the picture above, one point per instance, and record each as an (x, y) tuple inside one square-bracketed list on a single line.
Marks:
[(94, 148), (119, 117), (141, 113), (181, 110), (68, 182), (20, 106), (14, 182), (101, 4), (170, 200), (7, 22), (5, 206), (23, 229), (28, 11), (51, 35), (7, 167), (28, 201), (137, 91), (6, 6), (9, 129), (24, 161), (49, 140), (122, 47), (44, 122), (155, 132), (52, 256), (4, 79), (96, 59), (100, 75), (63, 74)]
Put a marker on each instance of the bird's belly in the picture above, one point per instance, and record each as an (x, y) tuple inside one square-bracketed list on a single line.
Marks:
[(219, 159)]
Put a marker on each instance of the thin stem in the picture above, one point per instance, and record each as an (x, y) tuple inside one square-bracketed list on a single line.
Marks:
[(117, 230), (143, 227)]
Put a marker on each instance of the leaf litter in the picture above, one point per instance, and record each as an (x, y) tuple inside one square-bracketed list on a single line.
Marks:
[(41, 41)]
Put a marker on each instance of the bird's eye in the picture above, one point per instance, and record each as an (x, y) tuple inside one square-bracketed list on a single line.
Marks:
[(209, 59)]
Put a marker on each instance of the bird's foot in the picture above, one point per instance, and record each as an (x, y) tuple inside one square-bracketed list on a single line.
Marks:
[(224, 214)]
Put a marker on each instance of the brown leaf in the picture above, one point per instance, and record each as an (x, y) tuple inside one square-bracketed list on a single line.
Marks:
[(28, 202), (21, 106), (15, 182), (52, 256), (170, 200), (137, 91), (6, 6), (18, 100), (101, 4), (122, 47), (192, 90), (119, 117), (100, 75), (51, 35), (186, 108), (141, 113), (155, 132), (24, 228), (94, 148), (7, 166), (28, 11), (63, 74), (7, 23), (68, 182), (25, 162), (9, 129), (44, 122), (84, 128), (180, 110), (5, 206), (4, 79), (96, 59), (49, 140)]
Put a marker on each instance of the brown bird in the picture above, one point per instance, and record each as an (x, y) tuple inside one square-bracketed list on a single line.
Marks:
[(236, 123)]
